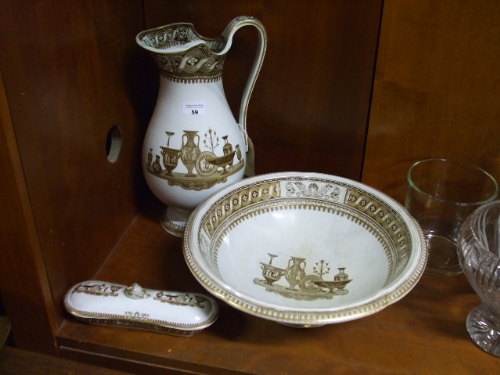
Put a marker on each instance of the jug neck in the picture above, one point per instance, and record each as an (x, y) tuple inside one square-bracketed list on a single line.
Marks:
[(182, 55), (189, 68), (194, 66)]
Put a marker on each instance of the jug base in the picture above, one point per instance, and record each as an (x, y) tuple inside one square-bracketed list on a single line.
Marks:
[(173, 221)]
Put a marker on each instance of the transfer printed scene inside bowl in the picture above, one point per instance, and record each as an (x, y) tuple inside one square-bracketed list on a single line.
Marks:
[(304, 249)]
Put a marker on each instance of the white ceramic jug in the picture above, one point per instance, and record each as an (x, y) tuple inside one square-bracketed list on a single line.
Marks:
[(193, 145)]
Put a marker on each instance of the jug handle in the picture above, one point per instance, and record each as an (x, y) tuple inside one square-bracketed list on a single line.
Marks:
[(228, 34)]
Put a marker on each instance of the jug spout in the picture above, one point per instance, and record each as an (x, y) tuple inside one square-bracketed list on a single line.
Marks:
[(181, 54), (177, 38)]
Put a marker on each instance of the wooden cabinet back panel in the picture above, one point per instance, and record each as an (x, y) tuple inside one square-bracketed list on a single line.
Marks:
[(436, 89), (71, 72)]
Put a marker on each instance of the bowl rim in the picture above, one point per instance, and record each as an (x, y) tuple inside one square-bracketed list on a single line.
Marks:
[(391, 293)]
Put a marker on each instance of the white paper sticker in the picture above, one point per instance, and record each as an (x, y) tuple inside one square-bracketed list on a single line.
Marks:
[(193, 108)]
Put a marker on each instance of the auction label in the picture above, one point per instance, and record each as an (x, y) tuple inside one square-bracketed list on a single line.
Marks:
[(193, 108)]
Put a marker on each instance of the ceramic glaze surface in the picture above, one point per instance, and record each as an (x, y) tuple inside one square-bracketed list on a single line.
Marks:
[(191, 162), (194, 146), (176, 313), (304, 249), (285, 230)]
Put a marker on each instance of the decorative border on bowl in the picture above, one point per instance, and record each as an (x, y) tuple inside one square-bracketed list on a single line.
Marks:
[(390, 220), (238, 200), (324, 190)]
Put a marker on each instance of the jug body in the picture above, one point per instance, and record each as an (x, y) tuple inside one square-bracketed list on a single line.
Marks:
[(196, 142), (193, 146)]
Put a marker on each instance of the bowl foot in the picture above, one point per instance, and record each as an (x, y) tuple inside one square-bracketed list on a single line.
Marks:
[(485, 334)]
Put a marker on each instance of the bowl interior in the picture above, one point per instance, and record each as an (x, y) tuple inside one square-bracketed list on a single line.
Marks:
[(317, 239), (304, 244)]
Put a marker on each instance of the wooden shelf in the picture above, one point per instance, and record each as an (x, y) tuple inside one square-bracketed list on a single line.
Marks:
[(426, 327), (18, 361)]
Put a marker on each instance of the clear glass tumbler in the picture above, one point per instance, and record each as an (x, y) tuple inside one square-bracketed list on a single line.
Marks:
[(479, 255), (440, 194)]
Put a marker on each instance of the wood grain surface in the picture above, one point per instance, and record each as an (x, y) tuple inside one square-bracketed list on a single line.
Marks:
[(23, 282), (15, 361), (436, 89), (66, 71)]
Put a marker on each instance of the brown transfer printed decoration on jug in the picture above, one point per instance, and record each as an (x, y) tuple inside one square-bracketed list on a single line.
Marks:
[(193, 145)]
